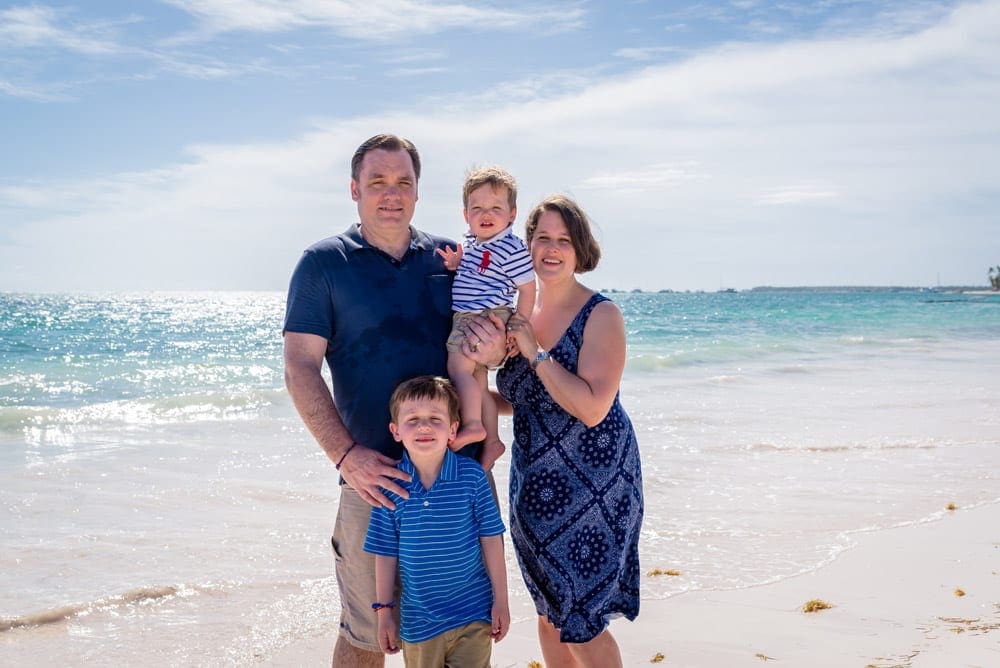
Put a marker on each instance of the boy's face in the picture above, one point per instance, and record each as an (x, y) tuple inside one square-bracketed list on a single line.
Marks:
[(488, 212), (424, 426)]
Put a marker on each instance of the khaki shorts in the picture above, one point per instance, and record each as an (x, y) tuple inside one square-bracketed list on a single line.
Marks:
[(467, 646), (461, 318), (356, 572)]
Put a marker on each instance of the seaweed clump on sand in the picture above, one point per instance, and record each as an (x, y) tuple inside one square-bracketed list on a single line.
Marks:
[(815, 605), (657, 658), (660, 571), (977, 626)]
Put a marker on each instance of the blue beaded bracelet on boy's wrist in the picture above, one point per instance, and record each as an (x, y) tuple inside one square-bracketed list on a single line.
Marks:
[(378, 606)]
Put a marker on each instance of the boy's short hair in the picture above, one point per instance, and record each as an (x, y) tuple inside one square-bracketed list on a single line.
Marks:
[(385, 142), (425, 387), (588, 252), (496, 177)]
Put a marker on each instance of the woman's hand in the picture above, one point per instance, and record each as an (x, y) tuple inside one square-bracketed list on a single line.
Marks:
[(520, 331)]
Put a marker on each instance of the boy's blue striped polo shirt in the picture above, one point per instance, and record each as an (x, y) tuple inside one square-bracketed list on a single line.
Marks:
[(435, 535)]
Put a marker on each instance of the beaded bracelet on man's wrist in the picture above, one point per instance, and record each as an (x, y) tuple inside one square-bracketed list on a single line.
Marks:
[(344, 456)]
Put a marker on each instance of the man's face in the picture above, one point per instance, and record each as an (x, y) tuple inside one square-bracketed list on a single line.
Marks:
[(386, 191)]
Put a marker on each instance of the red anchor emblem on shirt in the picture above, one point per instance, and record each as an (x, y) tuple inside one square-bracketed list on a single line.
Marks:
[(484, 263)]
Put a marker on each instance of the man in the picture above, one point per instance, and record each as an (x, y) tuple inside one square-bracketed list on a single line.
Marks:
[(375, 303)]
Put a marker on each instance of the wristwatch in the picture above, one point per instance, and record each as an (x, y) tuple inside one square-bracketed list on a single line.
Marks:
[(539, 358)]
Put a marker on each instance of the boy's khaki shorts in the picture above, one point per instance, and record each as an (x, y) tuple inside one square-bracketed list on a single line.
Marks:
[(356, 572), (461, 318), (467, 646)]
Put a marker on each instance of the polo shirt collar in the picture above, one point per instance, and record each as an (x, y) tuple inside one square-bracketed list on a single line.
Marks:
[(449, 469), (497, 237), (353, 241)]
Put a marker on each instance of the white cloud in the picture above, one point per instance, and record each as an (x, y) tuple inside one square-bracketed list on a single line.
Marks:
[(378, 20), (645, 53), (41, 27), (37, 26), (651, 178), (36, 93), (797, 194), (890, 139), (415, 71)]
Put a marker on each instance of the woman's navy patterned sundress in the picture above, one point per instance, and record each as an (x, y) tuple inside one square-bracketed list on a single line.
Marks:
[(575, 500)]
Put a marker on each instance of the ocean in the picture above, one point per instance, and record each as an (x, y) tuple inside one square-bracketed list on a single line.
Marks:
[(161, 502)]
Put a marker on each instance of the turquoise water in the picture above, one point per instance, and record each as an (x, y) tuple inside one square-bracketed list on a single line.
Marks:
[(162, 499), (74, 351)]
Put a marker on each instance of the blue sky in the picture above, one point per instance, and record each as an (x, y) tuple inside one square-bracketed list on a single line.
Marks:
[(202, 144)]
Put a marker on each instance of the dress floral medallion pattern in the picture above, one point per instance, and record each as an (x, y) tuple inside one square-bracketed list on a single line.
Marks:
[(575, 500)]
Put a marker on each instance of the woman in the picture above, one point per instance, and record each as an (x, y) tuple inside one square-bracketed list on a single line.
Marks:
[(575, 482)]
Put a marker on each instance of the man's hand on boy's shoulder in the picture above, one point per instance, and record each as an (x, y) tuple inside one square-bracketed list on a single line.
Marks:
[(370, 472)]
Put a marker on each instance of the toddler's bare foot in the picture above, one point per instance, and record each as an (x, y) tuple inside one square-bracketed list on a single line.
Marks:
[(471, 432), (492, 451)]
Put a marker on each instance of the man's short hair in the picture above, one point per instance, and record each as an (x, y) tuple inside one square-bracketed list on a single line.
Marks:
[(588, 252), (495, 176), (435, 388), (385, 142)]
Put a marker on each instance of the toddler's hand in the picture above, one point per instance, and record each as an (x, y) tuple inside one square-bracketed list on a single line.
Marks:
[(452, 257)]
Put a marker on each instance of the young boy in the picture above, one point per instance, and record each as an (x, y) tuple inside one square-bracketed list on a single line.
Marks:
[(493, 264), (447, 540)]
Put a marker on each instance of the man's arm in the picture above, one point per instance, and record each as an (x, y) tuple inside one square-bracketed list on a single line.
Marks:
[(363, 469)]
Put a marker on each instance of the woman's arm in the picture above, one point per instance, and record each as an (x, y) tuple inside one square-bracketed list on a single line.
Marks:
[(589, 393)]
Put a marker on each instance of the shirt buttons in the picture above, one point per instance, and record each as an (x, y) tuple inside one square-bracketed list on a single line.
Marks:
[(427, 503)]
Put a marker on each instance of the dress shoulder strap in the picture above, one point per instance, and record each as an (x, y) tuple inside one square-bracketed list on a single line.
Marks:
[(580, 321)]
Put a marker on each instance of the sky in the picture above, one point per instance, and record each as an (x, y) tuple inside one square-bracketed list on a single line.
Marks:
[(203, 144)]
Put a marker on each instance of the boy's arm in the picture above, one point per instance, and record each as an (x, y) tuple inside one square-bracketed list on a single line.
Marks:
[(385, 584), (492, 547), (526, 299)]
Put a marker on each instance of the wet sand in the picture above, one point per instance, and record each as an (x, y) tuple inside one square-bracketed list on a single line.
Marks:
[(919, 596)]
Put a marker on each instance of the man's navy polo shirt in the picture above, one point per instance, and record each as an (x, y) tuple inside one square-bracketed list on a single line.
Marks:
[(384, 321)]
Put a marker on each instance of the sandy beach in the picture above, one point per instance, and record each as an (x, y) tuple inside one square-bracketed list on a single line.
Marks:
[(894, 596)]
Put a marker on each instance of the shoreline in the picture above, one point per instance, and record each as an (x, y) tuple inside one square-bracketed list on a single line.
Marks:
[(894, 596)]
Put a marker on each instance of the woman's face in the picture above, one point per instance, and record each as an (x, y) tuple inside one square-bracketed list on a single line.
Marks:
[(552, 251)]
